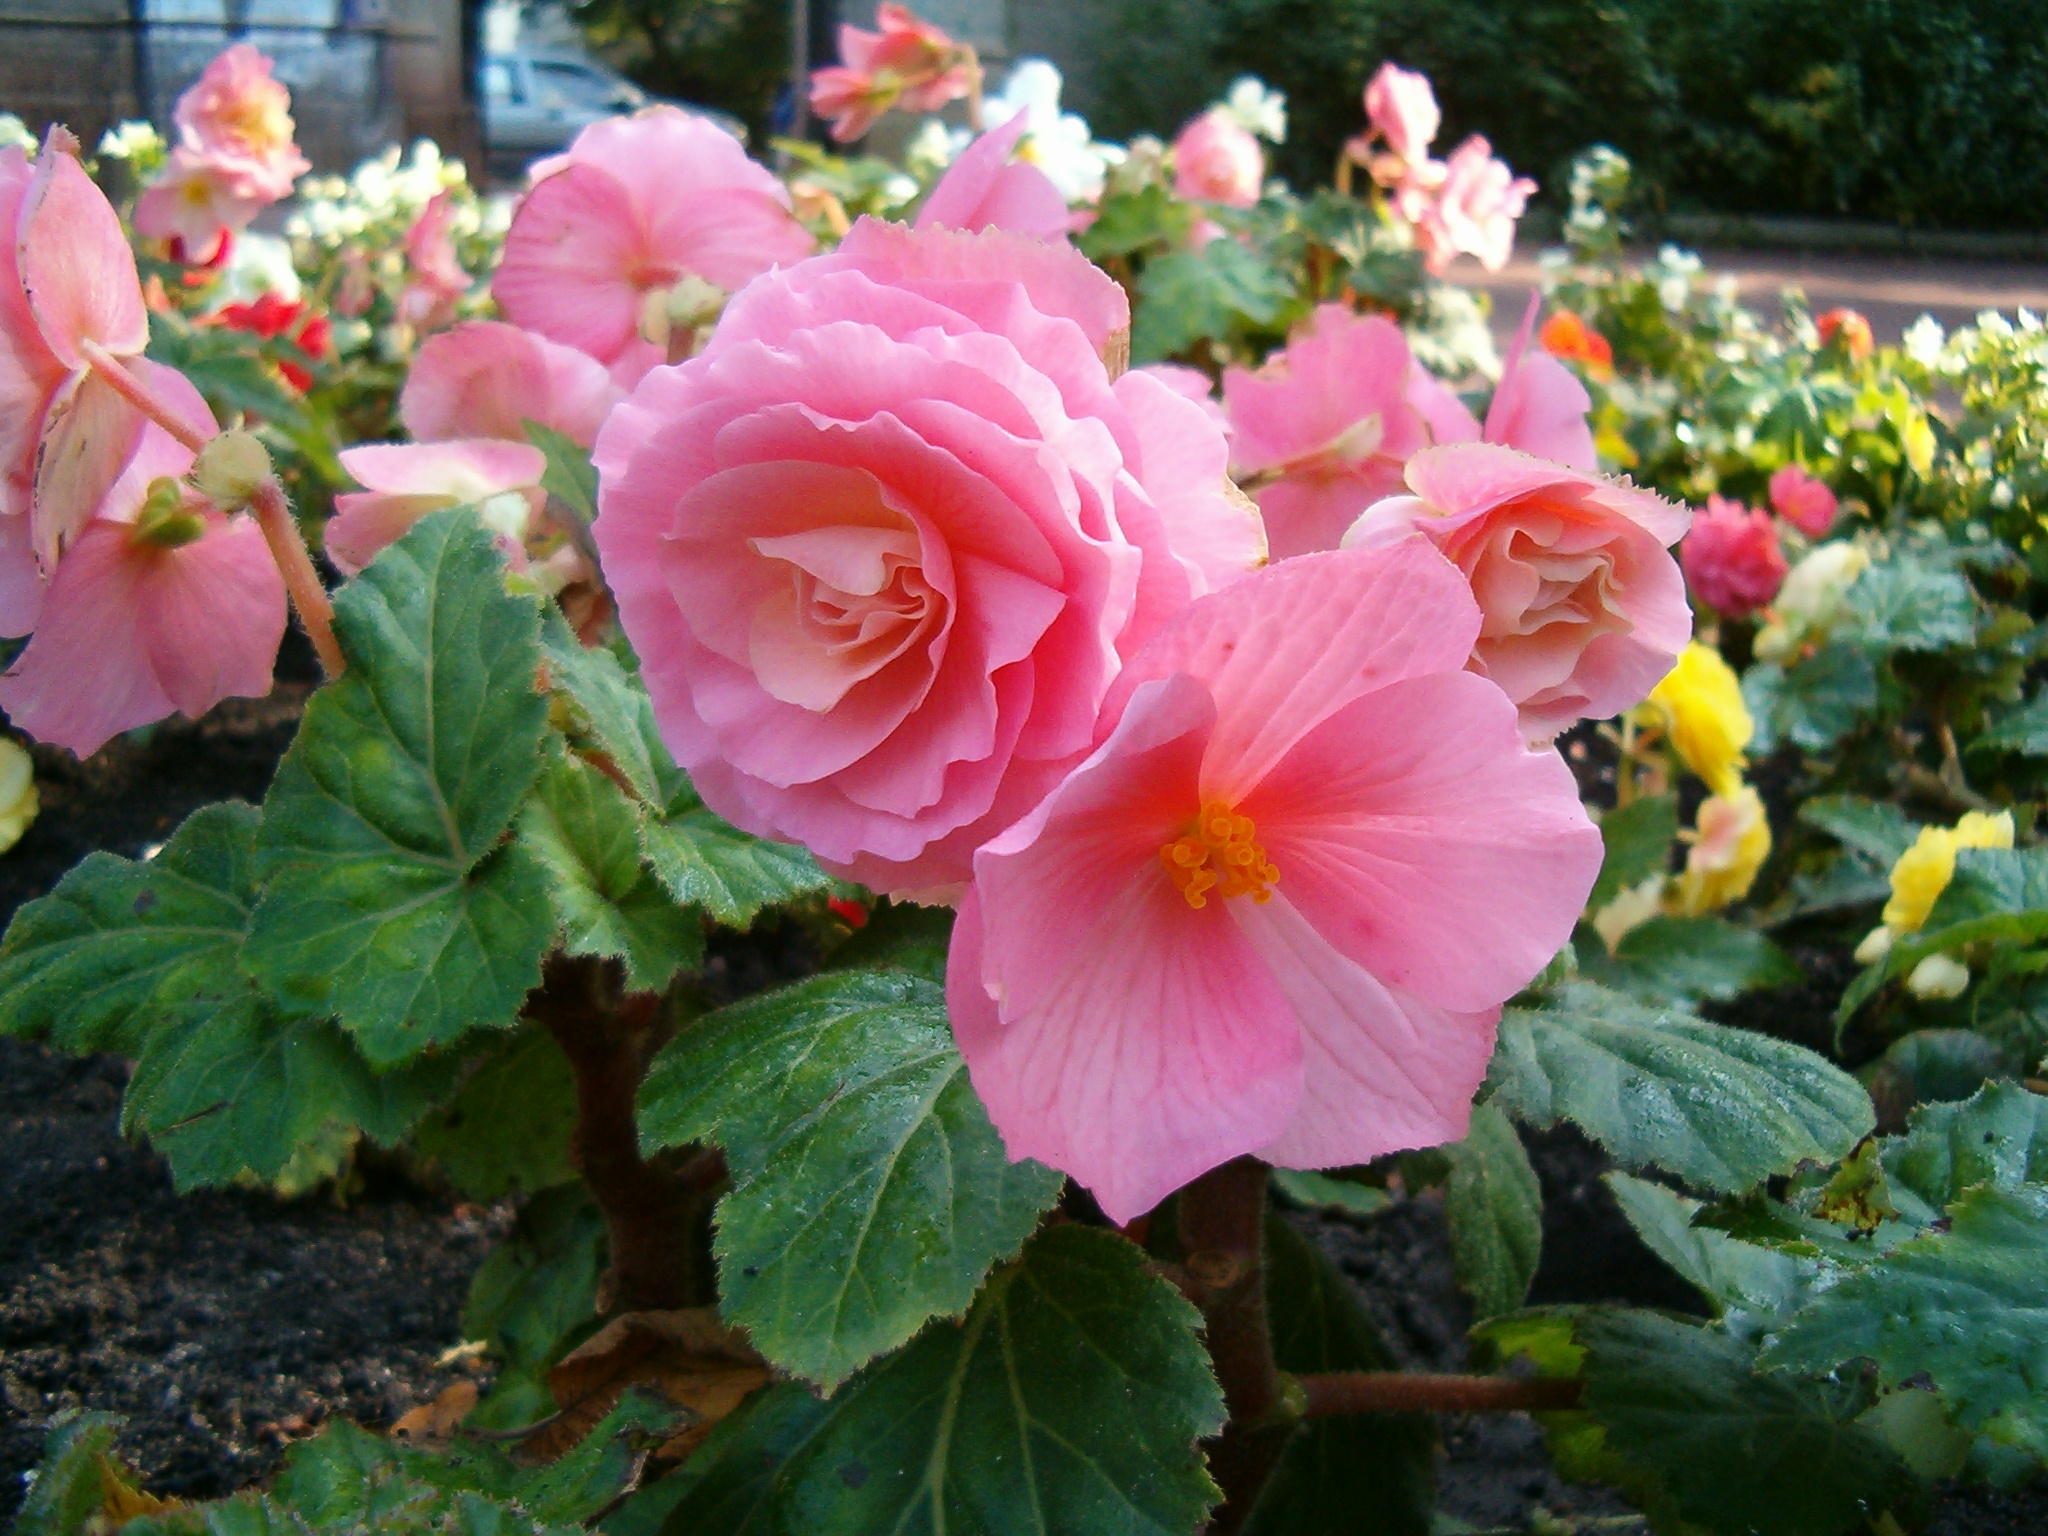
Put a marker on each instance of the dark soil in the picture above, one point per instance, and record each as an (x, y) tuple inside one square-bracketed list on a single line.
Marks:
[(227, 1323)]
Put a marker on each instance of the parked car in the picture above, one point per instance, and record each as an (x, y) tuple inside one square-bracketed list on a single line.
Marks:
[(535, 101)]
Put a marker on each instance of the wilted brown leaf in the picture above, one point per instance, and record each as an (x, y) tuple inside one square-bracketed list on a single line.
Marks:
[(688, 1356), (121, 1501), (433, 1423)]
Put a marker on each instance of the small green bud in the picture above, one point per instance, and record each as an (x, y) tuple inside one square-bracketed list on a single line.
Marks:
[(164, 520), (231, 469)]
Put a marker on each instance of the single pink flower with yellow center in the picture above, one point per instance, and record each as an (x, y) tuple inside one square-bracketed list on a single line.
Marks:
[(1278, 909), (238, 117), (197, 202)]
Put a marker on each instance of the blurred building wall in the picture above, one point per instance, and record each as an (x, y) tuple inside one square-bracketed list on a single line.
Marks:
[(363, 73)]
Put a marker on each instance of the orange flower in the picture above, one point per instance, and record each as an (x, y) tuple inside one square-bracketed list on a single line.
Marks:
[(1847, 327), (1564, 334)]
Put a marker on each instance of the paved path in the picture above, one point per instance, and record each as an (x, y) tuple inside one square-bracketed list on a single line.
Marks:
[(1892, 291)]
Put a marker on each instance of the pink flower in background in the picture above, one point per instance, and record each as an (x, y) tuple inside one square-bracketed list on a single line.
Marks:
[(1539, 406), (436, 280), (986, 189), (236, 116), (1732, 558), (1217, 160), (1474, 212), (197, 202), (405, 481), (907, 63), (1402, 106), (1328, 423), (485, 378), (68, 289), (1584, 608), (884, 543), (1804, 502), (1279, 907), (635, 205), (168, 616)]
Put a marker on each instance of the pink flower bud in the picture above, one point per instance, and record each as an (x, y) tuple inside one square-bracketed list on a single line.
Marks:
[(1804, 502), (1216, 161), (1731, 557)]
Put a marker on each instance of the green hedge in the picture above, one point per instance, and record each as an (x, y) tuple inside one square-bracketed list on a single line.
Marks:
[(1927, 112)]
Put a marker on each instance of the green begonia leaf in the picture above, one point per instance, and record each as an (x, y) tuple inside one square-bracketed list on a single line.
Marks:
[(1184, 296), (1906, 604), (1688, 959), (1367, 1474), (569, 476), (530, 1299), (1735, 1452), (611, 710), (1069, 1399), (705, 861), (89, 965), (1638, 839), (227, 1088), (870, 1191), (68, 1488), (1877, 829), (586, 835), (1320, 1192), (901, 936), (1998, 1137), (1734, 1276), (508, 1127), (389, 903), (1722, 1108), (2025, 730), (1967, 1308), (1812, 704), (1495, 1210)]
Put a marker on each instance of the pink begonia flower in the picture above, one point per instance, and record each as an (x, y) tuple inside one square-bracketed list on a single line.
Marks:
[(986, 189), (908, 63), (405, 481), (1191, 384), (1732, 558), (1328, 422), (1540, 406), (1402, 106), (883, 544), (436, 280), (1803, 501), (1474, 211), (197, 202), (136, 625), (1584, 608), (485, 378), (1278, 909), (238, 117), (1216, 160), (70, 286), (634, 206)]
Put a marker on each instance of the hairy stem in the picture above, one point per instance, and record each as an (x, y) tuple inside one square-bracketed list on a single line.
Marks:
[(136, 393), (1222, 1234), (1405, 1392), (308, 596), (648, 1210)]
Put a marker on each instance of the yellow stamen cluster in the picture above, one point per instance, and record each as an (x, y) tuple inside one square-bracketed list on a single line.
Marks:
[(1217, 853)]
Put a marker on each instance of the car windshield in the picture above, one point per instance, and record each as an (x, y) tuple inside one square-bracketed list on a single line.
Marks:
[(571, 85)]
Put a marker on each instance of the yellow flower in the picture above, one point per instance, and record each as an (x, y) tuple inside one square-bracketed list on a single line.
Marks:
[(1731, 841), (1700, 702), (1925, 869), (18, 802)]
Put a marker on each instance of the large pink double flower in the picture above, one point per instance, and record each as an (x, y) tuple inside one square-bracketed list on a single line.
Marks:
[(1278, 909), (884, 544), (631, 208)]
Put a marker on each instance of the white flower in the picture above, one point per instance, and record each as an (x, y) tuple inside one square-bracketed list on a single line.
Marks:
[(1938, 976), (1923, 341), (932, 148), (1058, 143), (1258, 109), (1811, 598), (258, 264), (132, 141), (1632, 906), (14, 134)]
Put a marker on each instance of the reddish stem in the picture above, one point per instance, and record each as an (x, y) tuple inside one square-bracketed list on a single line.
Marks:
[(136, 393), (309, 597), (1222, 1234), (1405, 1392), (649, 1211)]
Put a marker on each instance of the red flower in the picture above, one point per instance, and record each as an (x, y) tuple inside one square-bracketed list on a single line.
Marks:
[(1564, 334), (1847, 327), (271, 316), (1731, 557)]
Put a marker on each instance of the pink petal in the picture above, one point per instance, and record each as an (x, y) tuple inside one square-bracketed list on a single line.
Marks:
[(211, 617), (1305, 513), (1140, 1042), (1416, 833), (1540, 408), (1212, 531), (365, 522), (87, 437), (1471, 479), (1382, 1071), (569, 273), (21, 579), (471, 470), (983, 190), (1283, 653), (75, 263), (485, 378), (1447, 417)]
